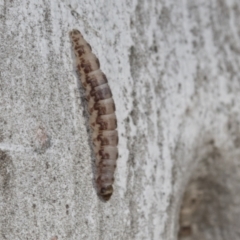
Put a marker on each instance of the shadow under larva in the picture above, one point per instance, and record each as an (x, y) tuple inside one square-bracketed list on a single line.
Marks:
[(102, 118)]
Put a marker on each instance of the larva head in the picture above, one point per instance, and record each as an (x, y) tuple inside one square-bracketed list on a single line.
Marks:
[(106, 192), (75, 34)]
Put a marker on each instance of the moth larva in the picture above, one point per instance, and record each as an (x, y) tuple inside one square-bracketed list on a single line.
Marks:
[(101, 109)]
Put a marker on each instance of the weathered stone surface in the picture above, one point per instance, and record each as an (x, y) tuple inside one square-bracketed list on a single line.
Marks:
[(173, 69)]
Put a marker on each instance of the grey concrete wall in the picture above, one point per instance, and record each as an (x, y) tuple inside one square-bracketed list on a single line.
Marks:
[(173, 67)]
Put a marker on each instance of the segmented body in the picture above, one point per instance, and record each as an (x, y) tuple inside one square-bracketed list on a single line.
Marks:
[(101, 109)]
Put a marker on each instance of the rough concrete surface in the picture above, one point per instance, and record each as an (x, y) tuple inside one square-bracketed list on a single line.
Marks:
[(173, 67)]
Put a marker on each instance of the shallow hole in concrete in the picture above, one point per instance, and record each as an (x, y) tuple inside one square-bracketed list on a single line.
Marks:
[(210, 204)]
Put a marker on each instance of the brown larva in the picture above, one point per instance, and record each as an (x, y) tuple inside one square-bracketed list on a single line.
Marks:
[(101, 109)]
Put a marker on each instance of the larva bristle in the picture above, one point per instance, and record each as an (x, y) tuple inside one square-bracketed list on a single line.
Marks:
[(102, 118)]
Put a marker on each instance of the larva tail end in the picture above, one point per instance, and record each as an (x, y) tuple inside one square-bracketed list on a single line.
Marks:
[(106, 193)]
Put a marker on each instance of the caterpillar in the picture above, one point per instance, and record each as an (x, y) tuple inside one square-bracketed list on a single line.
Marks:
[(102, 118)]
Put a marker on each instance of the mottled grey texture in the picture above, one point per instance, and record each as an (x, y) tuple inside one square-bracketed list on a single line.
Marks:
[(173, 68)]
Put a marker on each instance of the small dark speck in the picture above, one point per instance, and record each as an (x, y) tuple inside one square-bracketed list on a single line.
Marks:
[(74, 13), (179, 87), (193, 201), (194, 43), (187, 111), (1, 137), (185, 231), (229, 125), (47, 165), (34, 205), (211, 142), (67, 207)]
